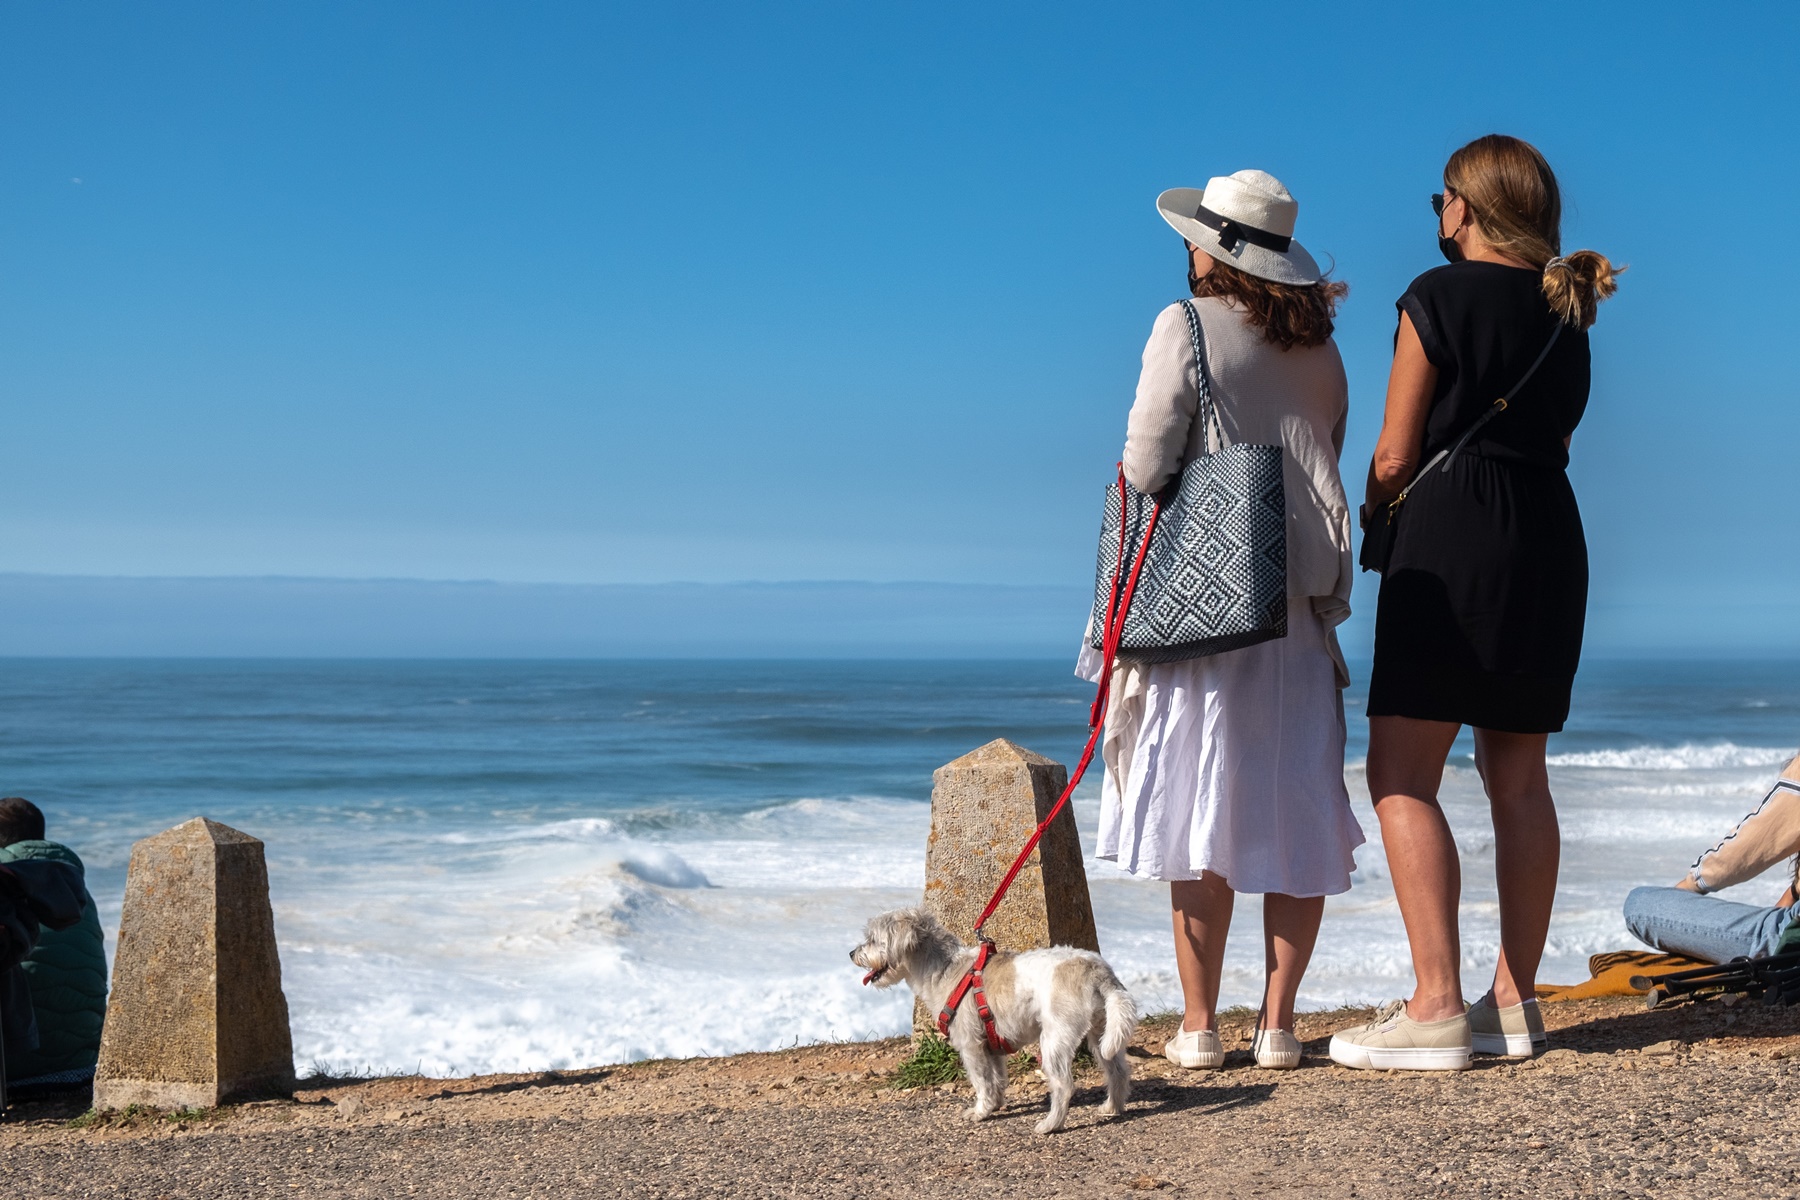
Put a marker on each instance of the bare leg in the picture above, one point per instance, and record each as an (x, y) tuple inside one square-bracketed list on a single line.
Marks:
[(1406, 766), (1290, 927), (1527, 850), (1202, 911)]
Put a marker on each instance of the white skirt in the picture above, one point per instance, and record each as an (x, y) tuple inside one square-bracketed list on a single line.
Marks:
[(1232, 764)]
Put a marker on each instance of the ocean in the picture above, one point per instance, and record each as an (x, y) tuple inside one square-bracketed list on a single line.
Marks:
[(518, 865)]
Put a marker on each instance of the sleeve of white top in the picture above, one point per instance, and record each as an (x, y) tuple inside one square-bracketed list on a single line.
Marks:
[(1761, 840), (1162, 416)]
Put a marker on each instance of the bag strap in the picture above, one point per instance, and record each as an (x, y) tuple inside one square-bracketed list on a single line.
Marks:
[(1499, 406), (1207, 414)]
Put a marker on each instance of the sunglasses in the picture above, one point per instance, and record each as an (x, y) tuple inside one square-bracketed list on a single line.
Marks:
[(1439, 200)]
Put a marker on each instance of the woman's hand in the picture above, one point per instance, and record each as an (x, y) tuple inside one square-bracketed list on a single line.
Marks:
[(1411, 384)]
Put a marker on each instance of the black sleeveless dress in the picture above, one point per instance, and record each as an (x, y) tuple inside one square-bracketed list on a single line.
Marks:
[(1482, 606)]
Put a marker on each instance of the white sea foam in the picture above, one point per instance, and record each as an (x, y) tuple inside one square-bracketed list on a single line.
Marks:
[(1689, 757), (579, 942)]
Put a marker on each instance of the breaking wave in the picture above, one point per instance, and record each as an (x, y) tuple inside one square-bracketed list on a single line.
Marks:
[(1689, 757)]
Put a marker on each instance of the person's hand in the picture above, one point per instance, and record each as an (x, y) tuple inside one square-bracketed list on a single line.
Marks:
[(1687, 883)]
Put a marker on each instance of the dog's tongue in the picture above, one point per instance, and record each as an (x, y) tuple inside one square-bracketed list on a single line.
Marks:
[(871, 975)]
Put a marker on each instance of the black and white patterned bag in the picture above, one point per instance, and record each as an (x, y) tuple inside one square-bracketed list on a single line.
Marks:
[(1213, 575)]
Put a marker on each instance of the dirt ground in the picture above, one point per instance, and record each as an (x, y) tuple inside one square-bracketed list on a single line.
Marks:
[(1682, 1102)]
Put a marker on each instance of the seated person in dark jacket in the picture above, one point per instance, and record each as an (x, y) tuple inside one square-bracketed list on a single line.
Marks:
[(65, 974)]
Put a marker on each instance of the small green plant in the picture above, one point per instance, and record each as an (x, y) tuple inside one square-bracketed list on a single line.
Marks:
[(181, 1116), (131, 1114), (933, 1061), (1026, 1060)]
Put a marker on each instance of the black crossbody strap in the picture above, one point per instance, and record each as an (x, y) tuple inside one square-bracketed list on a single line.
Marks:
[(1499, 406), (1493, 410)]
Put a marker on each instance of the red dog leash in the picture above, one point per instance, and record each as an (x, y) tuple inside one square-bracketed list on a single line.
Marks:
[(1117, 605)]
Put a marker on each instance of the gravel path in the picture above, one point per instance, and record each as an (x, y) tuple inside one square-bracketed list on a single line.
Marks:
[(1615, 1111)]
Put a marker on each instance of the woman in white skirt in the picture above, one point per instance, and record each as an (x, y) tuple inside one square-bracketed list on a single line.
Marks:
[(1226, 774)]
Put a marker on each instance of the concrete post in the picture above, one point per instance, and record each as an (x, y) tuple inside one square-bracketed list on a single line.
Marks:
[(983, 807), (197, 1016)]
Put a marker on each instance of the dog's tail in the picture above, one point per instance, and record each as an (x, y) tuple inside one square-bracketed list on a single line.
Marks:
[(1121, 1017)]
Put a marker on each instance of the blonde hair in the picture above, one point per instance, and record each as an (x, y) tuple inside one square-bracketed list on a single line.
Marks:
[(1515, 203)]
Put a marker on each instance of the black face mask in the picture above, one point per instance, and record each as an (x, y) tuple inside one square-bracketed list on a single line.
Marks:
[(1446, 246)]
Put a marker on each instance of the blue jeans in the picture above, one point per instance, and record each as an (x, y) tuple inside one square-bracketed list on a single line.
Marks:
[(1678, 921)]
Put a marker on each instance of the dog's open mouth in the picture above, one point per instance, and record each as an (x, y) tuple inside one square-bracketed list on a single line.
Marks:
[(874, 975)]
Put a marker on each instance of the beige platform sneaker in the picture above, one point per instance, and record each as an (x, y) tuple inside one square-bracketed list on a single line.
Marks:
[(1516, 1031), (1394, 1041)]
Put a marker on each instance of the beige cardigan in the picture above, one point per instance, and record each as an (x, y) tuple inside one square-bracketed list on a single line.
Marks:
[(1265, 395), (1761, 840)]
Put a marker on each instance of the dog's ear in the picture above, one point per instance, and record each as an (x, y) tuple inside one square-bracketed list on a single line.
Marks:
[(911, 927), (894, 933)]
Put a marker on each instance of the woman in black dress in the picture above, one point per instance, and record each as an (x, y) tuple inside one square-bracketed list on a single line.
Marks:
[(1483, 600)]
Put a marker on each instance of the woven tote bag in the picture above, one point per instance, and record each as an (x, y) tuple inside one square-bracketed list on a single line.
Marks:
[(1214, 571)]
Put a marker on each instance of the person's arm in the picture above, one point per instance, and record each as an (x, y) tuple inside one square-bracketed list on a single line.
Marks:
[(1162, 416), (1411, 384), (1761, 840)]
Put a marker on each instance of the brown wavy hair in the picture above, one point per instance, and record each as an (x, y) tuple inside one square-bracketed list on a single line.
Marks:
[(1514, 201), (1289, 314)]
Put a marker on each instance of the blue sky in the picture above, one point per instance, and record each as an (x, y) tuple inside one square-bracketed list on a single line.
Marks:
[(591, 293)]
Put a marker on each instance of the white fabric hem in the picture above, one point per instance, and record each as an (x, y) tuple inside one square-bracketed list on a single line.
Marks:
[(1232, 764)]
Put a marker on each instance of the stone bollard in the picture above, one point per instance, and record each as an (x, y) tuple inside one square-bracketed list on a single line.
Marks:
[(983, 807), (196, 1016)]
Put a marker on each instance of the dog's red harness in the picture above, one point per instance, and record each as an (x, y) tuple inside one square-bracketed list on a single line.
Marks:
[(971, 982), (1118, 604)]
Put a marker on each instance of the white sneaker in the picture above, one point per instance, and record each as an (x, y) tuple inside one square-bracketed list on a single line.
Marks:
[(1275, 1049), (1195, 1049)]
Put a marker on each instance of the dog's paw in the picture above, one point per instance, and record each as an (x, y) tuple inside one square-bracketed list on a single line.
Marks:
[(977, 1113), (1109, 1109), (1047, 1125)]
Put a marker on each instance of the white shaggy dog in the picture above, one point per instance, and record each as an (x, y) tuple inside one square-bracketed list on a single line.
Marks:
[(1053, 997)]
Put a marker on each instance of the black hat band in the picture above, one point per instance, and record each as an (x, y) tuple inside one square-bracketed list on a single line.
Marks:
[(1232, 232)]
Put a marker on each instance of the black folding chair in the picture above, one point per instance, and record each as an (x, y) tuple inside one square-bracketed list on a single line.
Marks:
[(1774, 977)]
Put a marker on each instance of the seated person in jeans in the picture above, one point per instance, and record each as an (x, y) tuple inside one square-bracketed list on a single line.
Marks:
[(1683, 920), (66, 973)]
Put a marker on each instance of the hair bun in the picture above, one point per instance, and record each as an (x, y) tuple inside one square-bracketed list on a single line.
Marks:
[(1583, 280)]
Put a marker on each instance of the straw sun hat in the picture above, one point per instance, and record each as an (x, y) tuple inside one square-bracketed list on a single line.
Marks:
[(1245, 220)]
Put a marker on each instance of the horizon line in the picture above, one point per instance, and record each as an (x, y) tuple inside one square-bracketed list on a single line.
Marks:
[(476, 581)]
